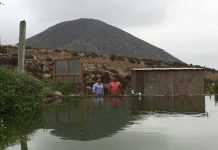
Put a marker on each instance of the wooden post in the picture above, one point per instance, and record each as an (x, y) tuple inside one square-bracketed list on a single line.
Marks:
[(22, 45)]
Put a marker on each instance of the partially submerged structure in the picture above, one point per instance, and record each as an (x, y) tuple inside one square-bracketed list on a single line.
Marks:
[(168, 81), (68, 71)]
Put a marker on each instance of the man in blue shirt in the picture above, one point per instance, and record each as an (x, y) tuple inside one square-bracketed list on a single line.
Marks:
[(98, 88)]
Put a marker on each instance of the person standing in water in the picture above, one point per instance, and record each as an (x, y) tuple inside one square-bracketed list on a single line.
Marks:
[(115, 87), (98, 88)]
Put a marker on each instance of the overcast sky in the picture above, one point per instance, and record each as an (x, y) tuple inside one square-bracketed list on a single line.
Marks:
[(188, 29)]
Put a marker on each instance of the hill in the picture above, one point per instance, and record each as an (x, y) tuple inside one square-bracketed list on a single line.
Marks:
[(90, 35), (40, 63)]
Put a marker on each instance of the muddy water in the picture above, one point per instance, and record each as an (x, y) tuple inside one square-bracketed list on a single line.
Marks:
[(127, 123)]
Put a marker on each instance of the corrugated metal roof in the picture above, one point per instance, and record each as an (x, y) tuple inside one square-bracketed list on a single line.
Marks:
[(164, 69)]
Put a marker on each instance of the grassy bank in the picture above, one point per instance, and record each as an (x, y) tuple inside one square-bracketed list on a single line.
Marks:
[(21, 92)]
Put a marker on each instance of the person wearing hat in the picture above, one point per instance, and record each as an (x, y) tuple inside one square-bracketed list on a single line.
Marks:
[(115, 87)]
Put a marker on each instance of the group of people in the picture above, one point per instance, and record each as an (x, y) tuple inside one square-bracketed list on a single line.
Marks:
[(113, 88)]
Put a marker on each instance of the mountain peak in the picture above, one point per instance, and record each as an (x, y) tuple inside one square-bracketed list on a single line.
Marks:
[(92, 35)]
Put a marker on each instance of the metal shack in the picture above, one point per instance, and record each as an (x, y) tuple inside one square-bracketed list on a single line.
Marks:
[(168, 81)]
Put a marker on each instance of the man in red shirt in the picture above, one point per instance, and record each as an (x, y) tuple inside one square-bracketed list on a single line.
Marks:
[(115, 87)]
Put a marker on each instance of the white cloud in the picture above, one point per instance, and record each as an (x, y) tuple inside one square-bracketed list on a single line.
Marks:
[(42, 14), (188, 29)]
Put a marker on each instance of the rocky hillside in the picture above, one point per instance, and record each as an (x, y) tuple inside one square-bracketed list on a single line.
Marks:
[(89, 35), (40, 63)]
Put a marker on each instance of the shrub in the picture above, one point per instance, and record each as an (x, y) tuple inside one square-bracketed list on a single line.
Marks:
[(75, 54), (3, 49), (215, 87), (120, 58), (132, 60), (65, 88), (112, 57), (19, 91)]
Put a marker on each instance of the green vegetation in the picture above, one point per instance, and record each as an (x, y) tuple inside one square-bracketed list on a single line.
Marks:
[(215, 87), (19, 92), (20, 101), (211, 87), (66, 88), (21, 104), (16, 128)]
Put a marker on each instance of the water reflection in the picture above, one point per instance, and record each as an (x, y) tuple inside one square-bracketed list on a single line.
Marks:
[(179, 104), (216, 99), (16, 129), (95, 118), (88, 119)]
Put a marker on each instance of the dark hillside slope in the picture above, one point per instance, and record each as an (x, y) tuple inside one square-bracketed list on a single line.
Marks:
[(90, 35)]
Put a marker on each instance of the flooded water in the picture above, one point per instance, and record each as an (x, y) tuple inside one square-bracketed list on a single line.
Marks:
[(127, 123)]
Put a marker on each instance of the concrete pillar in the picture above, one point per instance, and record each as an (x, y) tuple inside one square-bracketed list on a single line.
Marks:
[(21, 45)]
